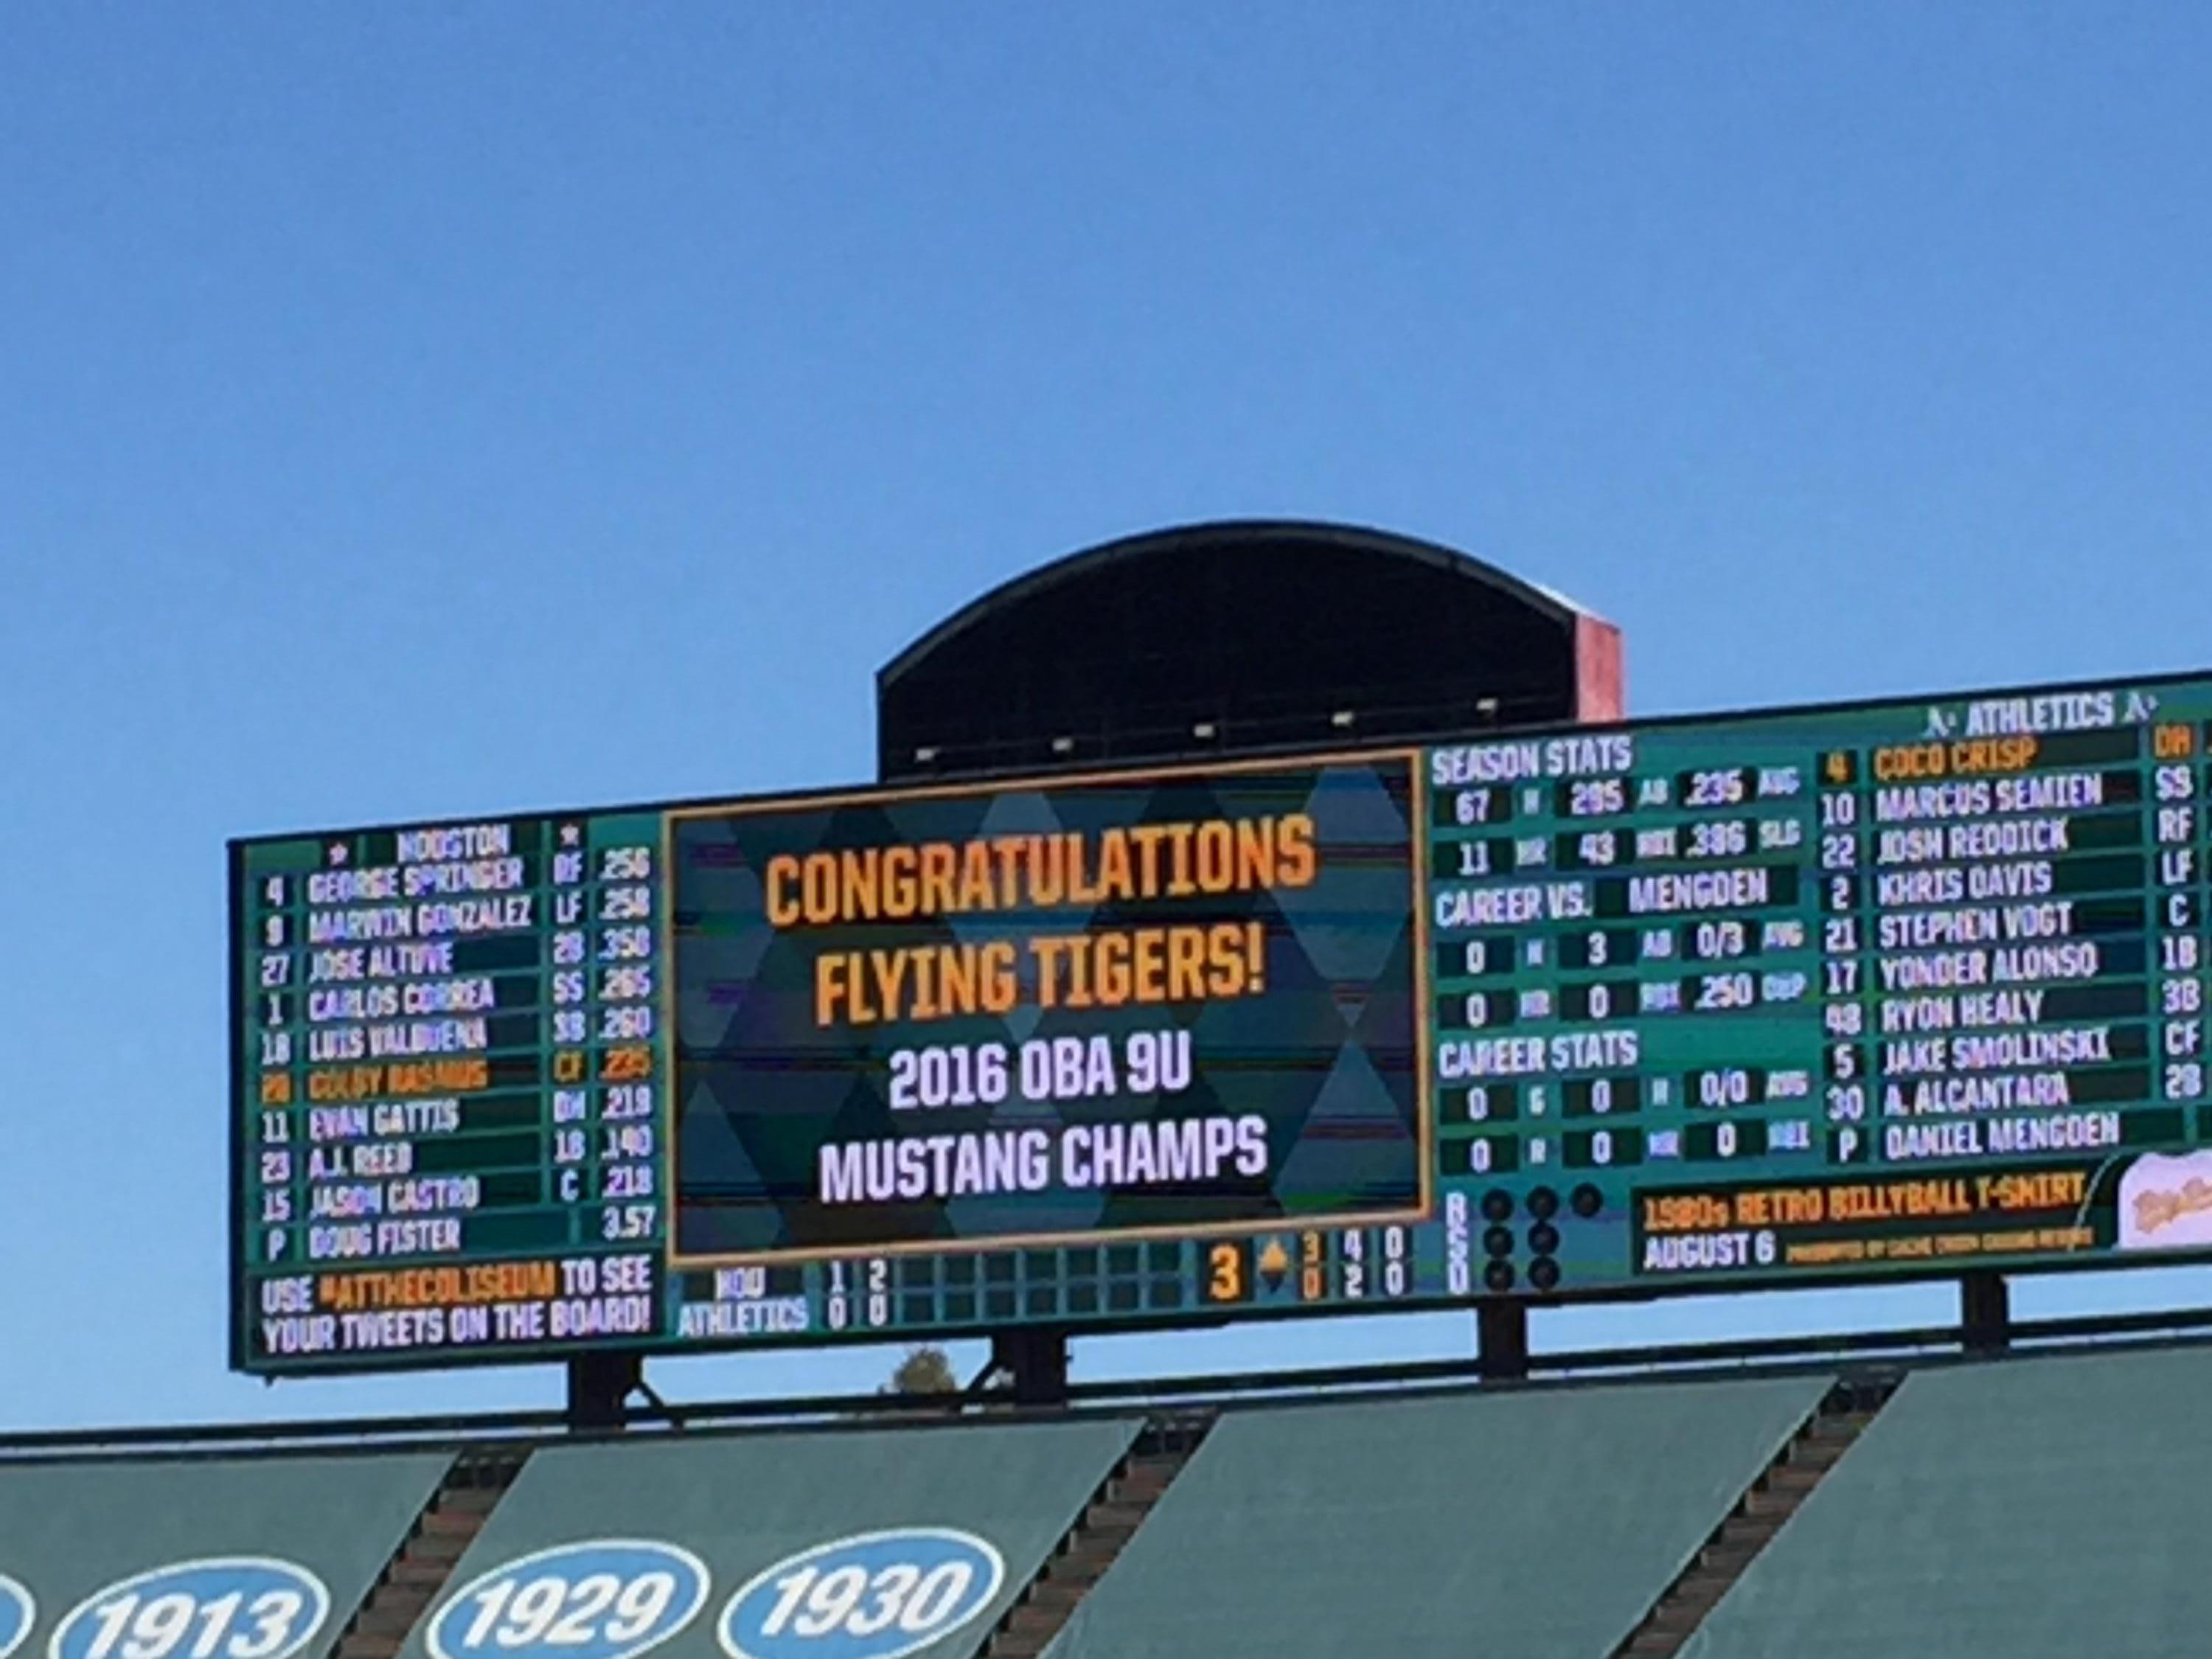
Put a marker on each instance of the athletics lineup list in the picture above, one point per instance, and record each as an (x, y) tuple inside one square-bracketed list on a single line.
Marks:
[(1885, 990)]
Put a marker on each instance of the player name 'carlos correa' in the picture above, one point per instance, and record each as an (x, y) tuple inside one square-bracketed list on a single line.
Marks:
[(362, 1002)]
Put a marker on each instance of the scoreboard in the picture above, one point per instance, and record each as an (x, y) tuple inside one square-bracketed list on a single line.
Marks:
[(1812, 996)]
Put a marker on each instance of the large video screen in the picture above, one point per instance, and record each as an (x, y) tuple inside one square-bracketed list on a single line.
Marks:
[(1812, 996)]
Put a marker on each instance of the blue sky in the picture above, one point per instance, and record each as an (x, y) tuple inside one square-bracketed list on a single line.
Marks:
[(418, 409)]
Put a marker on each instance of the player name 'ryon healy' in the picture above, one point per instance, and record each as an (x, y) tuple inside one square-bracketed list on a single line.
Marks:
[(1903, 1016)]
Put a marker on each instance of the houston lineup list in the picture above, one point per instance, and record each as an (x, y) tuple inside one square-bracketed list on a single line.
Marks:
[(1829, 993)]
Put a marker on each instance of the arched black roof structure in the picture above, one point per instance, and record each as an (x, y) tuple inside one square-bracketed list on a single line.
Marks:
[(1226, 637)]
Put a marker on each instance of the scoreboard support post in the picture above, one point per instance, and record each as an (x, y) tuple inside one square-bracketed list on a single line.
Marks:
[(1985, 1313), (1037, 1362), (1501, 1328), (600, 1387)]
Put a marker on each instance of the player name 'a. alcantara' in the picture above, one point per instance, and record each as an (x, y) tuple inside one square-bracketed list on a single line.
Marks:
[(2002, 1092), (1084, 1157)]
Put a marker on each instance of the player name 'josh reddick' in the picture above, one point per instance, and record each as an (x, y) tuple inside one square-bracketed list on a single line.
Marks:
[(2000, 838)]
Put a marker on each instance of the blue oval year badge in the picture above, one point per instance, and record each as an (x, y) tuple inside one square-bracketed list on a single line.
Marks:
[(873, 1596), (599, 1598), (232, 1606), (17, 1613)]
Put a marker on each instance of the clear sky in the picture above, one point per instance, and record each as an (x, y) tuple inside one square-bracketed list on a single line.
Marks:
[(426, 410)]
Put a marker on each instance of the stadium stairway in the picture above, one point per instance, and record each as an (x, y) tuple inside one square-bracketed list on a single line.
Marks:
[(1107, 1523), (419, 1568), (1751, 1526)]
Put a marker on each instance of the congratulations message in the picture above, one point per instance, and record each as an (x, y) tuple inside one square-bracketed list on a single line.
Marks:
[(1102, 968), (1050, 1011)]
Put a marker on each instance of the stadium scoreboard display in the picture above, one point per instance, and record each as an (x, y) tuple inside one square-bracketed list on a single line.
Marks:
[(1889, 990)]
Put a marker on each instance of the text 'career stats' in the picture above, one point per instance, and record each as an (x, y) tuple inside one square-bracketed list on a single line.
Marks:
[(1880, 990)]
